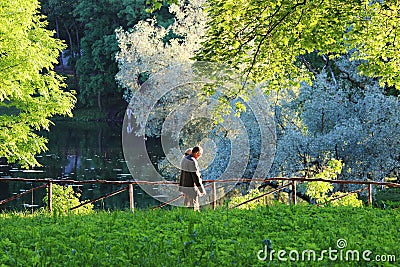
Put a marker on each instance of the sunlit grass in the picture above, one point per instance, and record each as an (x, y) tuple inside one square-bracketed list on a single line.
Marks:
[(181, 237)]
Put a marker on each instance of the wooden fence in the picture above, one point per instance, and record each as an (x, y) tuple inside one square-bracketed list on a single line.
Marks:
[(128, 185)]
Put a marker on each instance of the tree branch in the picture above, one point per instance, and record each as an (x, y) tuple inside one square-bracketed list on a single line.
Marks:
[(347, 77), (330, 69), (266, 35), (308, 66)]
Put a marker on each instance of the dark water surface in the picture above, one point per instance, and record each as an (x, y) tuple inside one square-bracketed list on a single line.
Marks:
[(78, 151)]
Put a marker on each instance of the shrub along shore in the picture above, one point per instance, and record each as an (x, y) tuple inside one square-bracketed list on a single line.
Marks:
[(224, 237)]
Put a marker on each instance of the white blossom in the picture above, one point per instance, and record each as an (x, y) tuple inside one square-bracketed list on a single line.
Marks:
[(359, 126)]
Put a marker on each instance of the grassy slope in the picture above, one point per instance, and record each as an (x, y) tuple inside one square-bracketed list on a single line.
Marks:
[(180, 237)]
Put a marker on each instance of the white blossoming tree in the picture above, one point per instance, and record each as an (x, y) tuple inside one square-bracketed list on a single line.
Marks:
[(350, 118), (149, 48), (145, 52)]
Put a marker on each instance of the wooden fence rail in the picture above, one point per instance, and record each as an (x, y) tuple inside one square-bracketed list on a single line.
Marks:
[(21, 194), (292, 181)]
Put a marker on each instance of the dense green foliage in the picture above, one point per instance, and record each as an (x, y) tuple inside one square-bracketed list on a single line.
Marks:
[(30, 91), (323, 192), (88, 29), (61, 19), (96, 66), (388, 198), (64, 198), (181, 237), (268, 39)]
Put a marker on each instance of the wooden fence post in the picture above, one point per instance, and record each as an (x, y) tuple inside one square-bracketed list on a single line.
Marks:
[(294, 192), (214, 195), (131, 199), (370, 195), (50, 196)]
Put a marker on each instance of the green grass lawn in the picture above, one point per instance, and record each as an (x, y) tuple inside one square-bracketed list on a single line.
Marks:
[(181, 237)]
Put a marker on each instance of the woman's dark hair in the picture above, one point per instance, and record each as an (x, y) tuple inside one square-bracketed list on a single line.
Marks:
[(196, 149)]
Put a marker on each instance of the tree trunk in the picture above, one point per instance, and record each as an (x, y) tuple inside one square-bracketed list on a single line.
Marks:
[(71, 45), (58, 37), (78, 42), (99, 100), (99, 138)]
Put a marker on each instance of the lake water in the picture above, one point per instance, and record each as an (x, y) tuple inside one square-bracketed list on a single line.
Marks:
[(78, 151)]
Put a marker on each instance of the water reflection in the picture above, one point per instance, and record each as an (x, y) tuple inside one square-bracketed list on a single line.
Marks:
[(78, 151)]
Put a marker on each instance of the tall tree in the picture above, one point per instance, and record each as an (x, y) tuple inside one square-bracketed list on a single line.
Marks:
[(30, 91), (336, 118), (151, 50), (266, 39), (150, 47), (96, 67), (60, 16)]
